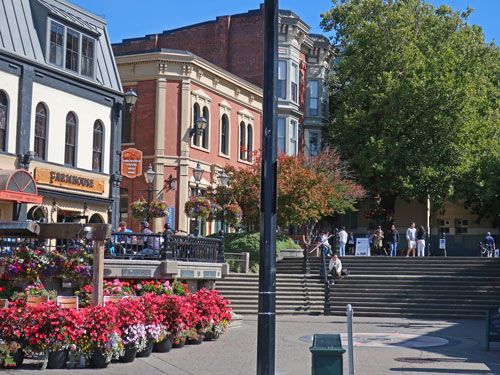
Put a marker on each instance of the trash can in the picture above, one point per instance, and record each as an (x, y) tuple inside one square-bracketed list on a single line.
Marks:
[(327, 353)]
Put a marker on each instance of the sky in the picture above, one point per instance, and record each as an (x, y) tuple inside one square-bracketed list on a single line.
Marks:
[(132, 18)]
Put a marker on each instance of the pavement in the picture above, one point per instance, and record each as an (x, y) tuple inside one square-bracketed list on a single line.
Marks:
[(381, 346)]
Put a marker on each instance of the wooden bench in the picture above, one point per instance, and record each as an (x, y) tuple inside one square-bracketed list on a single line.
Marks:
[(67, 302)]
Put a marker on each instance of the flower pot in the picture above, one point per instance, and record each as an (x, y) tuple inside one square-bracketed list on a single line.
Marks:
[(198, 341), (18, 357), (98, 359), (146, 352), (179, 343), (57, 359), (209, 336), (163, 346), (130, 352)]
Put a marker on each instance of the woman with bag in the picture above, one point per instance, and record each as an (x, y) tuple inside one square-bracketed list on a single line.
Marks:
[(421, 241)]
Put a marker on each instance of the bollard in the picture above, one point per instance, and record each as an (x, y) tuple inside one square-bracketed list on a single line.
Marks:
[(349, 339)]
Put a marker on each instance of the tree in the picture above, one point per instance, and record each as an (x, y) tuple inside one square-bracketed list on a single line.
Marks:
[(411, 95), (309, 188)]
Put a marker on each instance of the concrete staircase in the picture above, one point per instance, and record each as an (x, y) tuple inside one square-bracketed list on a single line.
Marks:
[(430, 287)]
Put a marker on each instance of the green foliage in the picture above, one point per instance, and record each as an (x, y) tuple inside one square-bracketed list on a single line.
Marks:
[(414, 95), (250, 243)]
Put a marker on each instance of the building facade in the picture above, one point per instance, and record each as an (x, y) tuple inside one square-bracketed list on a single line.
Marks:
[(175, 88), (60, 114), (236, 44)]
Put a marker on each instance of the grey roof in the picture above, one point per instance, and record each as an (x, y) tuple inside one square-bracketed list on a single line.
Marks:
[(23, 33)]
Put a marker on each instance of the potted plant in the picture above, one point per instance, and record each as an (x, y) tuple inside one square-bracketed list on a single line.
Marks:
[(154, 314), (233, 214), (8, 354), (130, 318), (199, 207), (13, 324)]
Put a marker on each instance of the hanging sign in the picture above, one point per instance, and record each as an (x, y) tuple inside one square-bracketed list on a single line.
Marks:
[(131, 164)]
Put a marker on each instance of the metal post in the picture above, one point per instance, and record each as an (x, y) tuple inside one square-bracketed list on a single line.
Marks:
[(149, 201), (349, 339), (428, 244), (327, 307), (222, 219), (266, 329), (196, 226), (306, 266)]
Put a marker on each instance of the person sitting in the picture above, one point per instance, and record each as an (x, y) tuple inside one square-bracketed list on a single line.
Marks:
[(121, 241), (335, 267), (151, 243)]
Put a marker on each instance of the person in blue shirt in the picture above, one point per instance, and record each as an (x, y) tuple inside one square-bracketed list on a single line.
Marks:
[(489, 242)]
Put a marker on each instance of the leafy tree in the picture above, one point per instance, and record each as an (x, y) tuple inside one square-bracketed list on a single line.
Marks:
[(413, 93), (309, 188)]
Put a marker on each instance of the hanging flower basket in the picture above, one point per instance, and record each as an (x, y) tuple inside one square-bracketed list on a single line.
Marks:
[(156, 209), (378, 213), (233, 214), (199, 207)]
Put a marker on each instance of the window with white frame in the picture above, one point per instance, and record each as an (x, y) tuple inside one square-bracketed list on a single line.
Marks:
[(97, 146), (242, 141), (71, 49), (205, 136), (293, 146), (196, 115), (40, 130), (313, 98), (70, 146), (281, 79), (249, 142), (281, 134), (3, 120), (294, 83), (224, 135)]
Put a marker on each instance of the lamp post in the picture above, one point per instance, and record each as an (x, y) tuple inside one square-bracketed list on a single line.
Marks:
[(150, 175), (130, 99), (198, 172), (223, 179)]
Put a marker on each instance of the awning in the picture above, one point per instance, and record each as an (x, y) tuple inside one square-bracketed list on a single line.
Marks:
[(18, 185)]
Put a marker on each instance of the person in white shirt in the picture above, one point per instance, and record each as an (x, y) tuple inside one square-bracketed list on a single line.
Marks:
[(342, 241), (335, 267), (411, 237)]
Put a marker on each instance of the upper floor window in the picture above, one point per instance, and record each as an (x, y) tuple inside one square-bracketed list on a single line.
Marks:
[(242, 141), (313, 98), (293, 138), (294, 79), (4, 105), (249, 142), (224, 135), (196, 115), (40, 130), (69, 150), (281, 135), (71, 49), (206, 133), (281, 79), (97, 147)]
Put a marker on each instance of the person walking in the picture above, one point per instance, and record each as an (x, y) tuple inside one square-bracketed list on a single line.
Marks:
[(393, 240), (378, 241), (489, 242), (421, 241), (351, 242), (342, 241), (411, 237)]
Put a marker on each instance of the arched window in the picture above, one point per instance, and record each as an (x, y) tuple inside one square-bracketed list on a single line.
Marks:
[(224, 135), (242, 141), (196, 115), (205, 135), (69, 151), (4, 105), (40, 130), (97, 147), (249, 142)]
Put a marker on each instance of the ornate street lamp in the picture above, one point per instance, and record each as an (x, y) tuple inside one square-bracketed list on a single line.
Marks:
[(149, 175), (199, 127), (130, 99), (198, 173), (223, 180)]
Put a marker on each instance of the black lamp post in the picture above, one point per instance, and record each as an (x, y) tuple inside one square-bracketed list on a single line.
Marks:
[(198, 173), (130, 99), (150, 175), (223, 179)]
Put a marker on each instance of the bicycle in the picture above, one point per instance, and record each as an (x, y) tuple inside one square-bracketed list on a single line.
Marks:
[(485, 251)]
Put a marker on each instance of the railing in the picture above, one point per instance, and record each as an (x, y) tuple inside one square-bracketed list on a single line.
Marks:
[(8, 244), (242, 258)]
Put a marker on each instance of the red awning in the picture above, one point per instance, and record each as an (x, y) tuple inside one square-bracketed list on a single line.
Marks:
[(18, 186)]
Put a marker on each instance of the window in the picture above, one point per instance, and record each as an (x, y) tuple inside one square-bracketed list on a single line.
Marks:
[(126, 127), (242, 141), (72, 48), (313, 144), (97, 147), (40, 130), (196, 115), (293, 138), (224, 135), (206, 132), (87, 56), (3, 121), (56, 51), (281, 135), (313, 98), (69, 150), (294, 79), (281, 79), (281, 37), (249, 142), (123, 204)]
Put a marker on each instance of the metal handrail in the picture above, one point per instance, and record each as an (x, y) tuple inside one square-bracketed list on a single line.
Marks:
[(327, 306)]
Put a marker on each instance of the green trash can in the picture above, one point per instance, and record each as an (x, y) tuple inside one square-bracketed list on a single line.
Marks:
[(327, 353)]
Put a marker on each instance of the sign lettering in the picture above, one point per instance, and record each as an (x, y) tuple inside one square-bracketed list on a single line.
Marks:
[(69, 180), (131, 164)]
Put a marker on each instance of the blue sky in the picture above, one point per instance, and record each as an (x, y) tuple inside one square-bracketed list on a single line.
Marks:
[(132, 18)]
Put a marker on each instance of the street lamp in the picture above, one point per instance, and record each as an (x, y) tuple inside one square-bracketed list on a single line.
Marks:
[(130, 99), (198, 172), (150, 175), (223, 180), (199, 127)]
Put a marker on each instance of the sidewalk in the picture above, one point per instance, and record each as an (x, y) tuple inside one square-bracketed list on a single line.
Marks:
[(383, 346)]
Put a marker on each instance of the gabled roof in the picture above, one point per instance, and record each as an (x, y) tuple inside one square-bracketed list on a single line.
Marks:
[(23, 33)]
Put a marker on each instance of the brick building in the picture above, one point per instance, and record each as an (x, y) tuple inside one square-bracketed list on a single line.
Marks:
[(174, 89), (236, 43)]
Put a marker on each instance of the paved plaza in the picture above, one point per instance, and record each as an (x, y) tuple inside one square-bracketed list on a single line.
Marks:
[(382, 346)]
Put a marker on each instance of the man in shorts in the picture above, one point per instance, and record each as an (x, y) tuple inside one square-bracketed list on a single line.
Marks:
[(411, 236)]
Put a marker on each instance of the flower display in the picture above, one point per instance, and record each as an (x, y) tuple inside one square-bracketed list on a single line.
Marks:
[(233, 214), (141, 210), (378, 212), (77, 265), (117, 288), (34, 289), (199, 207), (156, 287)]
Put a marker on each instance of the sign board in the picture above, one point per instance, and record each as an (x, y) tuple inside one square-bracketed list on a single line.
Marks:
[(493, 325), (442, 243), (171, 217), (69, 180), (131, 163), (134, 272), (362, 247)]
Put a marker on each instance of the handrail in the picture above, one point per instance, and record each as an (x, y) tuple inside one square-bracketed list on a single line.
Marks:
[(321, 243), (327, 310)]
